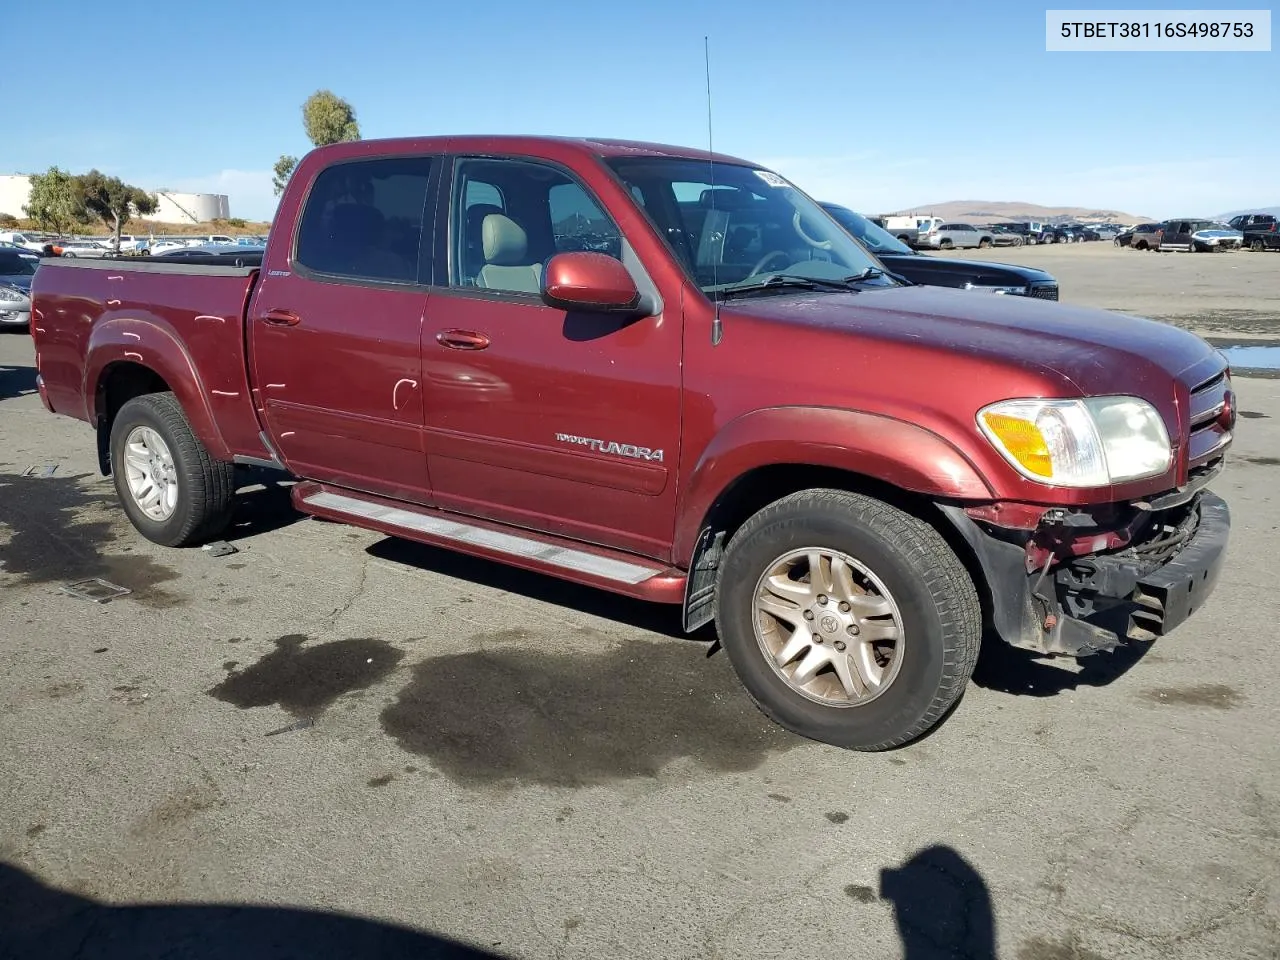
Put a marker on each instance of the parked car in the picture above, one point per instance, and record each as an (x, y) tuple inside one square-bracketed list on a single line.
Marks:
[(908, 228), (16, 271), (128, 243), (1032, 231), (1003, 236), (164, 246), (1124, 237), (1063, 234), (1199, 236), (216, 253), (1259, 231), (25, 252), (1147, 236), (81, 248), (912, 450), (27, 239), (1086, 233), (954, 236), (921, 268)]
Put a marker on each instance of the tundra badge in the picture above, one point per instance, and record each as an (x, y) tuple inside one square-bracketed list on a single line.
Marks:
[(609, 446)]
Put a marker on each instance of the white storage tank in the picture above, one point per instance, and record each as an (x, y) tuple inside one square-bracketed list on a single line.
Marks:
[(190, 207), (15, 192)]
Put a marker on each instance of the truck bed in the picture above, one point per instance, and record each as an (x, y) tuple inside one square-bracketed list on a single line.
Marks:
[(92, 319)]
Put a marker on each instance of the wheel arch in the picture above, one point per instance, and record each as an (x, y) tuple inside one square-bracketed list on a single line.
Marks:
[(765, 456), (129, 357)]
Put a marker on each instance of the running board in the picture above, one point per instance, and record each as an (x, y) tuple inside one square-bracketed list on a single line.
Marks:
[(566, 559)]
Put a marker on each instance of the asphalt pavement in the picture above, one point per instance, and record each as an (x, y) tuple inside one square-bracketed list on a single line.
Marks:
[(331, 743)]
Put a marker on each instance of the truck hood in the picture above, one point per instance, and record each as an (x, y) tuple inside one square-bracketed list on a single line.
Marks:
[(1096, 351), (978, 272)]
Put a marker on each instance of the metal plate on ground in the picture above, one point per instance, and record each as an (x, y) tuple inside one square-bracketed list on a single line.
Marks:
[(95, 589)]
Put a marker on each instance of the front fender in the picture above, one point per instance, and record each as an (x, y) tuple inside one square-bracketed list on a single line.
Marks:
[(150, 342), (893, 451)]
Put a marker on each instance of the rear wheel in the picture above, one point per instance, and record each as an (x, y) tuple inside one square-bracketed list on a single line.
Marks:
[(946, 244), (174, 493), (1257, 246), (847, 620)]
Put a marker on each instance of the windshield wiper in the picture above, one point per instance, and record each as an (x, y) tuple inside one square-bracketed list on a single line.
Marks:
[(781, 280), (871, 273)]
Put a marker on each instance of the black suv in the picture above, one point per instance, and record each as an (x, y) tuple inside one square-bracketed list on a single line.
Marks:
[(923, 269), (1259, 229)]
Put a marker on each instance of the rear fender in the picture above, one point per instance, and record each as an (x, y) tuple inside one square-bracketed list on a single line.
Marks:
[(895, 452), (151, 342)]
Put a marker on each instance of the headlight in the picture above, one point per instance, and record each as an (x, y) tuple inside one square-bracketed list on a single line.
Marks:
[(1079, 443), (11, 293), (995, 289)]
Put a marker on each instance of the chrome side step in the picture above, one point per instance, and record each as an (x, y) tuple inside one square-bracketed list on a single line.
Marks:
[(465, 534)]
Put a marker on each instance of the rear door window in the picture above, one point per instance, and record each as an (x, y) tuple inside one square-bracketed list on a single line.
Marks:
[(364, 220)]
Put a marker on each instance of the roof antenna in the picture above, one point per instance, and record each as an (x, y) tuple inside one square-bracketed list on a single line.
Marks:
[(717, 328)]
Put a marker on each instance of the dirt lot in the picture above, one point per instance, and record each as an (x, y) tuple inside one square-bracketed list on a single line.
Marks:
[(336, 744), (1233, 296)]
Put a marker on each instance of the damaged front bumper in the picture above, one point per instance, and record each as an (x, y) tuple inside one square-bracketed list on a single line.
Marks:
[(1144, 578)]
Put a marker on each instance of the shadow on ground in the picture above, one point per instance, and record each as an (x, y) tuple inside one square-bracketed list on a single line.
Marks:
[(657, 618), (16, 381), (40, 923), (1010, 670), (941, 905), (262, 504)]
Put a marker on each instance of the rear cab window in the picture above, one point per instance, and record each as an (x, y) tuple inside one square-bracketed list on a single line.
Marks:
[(363, 220)]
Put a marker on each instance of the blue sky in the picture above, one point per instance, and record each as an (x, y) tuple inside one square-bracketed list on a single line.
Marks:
[(875, 105)]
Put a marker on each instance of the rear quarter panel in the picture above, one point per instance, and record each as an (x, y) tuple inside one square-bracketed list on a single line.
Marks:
[(185, 323)]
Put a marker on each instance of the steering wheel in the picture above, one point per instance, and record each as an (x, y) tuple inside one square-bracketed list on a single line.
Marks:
[(771, 255), (816, 244)]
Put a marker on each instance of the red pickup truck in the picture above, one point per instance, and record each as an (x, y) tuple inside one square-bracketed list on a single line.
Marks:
[(672, 375)]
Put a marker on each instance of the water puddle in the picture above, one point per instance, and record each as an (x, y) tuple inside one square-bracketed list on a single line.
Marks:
[(1243, 357)]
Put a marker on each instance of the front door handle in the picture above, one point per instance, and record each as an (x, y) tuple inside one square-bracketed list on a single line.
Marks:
[(462, 339), (281, 318)]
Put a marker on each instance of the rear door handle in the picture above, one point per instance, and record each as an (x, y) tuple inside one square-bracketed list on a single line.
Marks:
[(462, 339), (281, 318)]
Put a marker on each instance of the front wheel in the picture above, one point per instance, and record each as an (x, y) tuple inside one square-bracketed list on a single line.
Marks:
[(847, 620), (174, 493)]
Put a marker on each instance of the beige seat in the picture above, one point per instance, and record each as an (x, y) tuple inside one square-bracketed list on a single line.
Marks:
[(506, 257)]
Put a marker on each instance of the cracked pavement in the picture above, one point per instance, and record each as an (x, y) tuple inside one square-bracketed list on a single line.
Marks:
[(466, 754)]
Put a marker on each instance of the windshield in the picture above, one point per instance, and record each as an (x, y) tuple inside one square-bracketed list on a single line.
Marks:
[(730, 224), (876, 239)]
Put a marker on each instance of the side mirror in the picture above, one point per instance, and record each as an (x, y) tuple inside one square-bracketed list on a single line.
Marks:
[(589, 281)]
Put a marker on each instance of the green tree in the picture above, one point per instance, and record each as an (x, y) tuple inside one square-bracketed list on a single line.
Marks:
[(328, 119), (112, 200), (55, 203), (281, 171), (8, 221)]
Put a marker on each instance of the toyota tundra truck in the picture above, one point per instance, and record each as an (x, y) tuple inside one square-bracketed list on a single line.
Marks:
[(668, 374)]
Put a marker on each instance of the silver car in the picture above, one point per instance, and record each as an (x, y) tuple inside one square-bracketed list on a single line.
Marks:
[(82, 248), (16, 271), (955, 236)]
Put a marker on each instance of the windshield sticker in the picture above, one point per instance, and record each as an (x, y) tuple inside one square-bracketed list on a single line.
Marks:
[(772, 179)]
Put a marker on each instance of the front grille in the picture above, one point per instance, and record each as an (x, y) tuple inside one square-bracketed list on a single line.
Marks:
[(1209, 436), (1043, 291)]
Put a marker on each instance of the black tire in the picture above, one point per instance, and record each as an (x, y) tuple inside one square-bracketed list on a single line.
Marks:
[(939, 608), (206, 487), (1257, 246), (984, 243), (946, 244)]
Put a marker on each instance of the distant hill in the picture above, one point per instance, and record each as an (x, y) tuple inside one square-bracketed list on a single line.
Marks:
[(1274, 211), (995, 211)]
